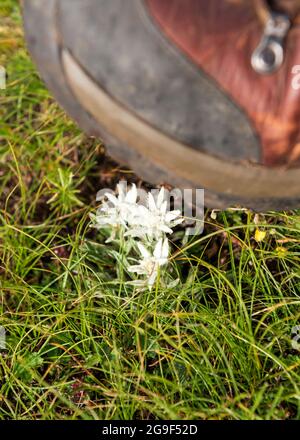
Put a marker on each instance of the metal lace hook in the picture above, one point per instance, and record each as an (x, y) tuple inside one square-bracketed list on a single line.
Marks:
[(269, 55)]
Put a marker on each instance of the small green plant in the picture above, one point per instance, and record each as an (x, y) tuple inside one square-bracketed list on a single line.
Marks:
[(64, 192)]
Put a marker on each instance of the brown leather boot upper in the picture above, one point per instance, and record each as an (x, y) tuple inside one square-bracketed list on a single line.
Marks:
[(220, 37)]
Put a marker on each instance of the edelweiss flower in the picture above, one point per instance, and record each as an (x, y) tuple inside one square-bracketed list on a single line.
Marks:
[(118, 211), (150, 264), (154, 220)]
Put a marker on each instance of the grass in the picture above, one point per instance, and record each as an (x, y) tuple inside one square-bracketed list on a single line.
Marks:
[(81, 343)]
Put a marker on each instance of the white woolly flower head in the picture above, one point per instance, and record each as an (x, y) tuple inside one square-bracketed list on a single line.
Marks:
[(154, 220), (151, 261), (118, 211)]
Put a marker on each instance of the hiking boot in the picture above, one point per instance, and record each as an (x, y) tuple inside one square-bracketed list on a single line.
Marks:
[(192, 93)]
